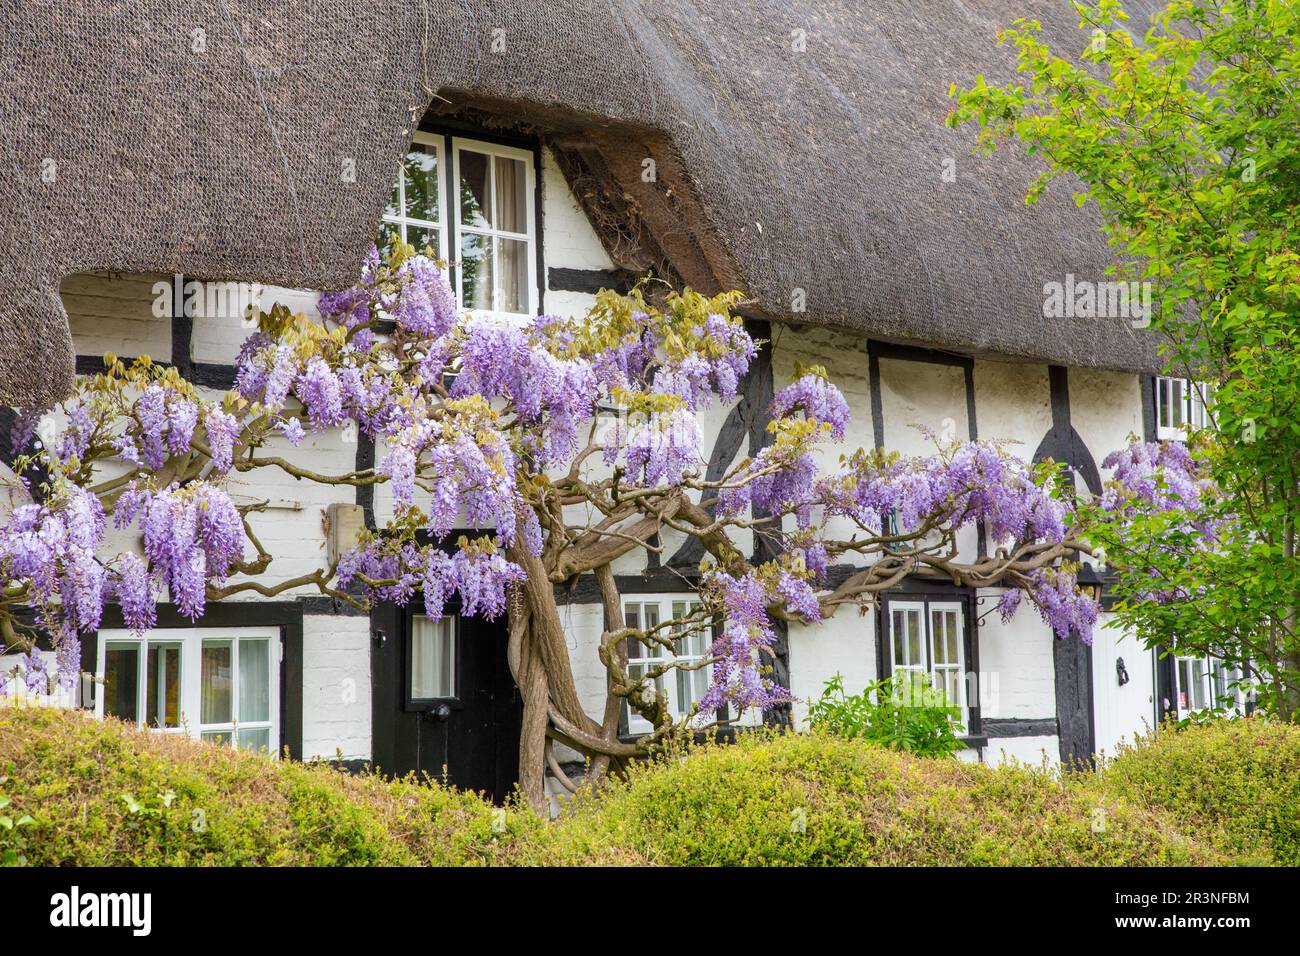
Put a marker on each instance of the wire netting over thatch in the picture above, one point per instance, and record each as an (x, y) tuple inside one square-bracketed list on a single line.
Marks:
[(218, 138)]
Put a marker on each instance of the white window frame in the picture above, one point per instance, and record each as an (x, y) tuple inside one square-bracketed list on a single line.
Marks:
[(926, 665), (529, 237), (424, 142), (191, 641), (655, 655), (1186, 396), (1210, 666)]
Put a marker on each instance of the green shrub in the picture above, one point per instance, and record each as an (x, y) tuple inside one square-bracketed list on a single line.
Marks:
[(1231, 783), (812, 799), (104, 793), (902, 715)]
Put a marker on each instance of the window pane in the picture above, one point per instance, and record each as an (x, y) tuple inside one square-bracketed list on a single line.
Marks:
[(122, 681), (899, 630), (945, 680), (432, 658), (164, 685), (394, 207), (945, 637), (512, 275), (254, 680), (632, 618), (256, 739), (512, 195), (1198, 684), (475, 191), (914, 638), (421, 237), (1184, 680), (421, 180), (216, 736), (215, 683), (1178, 404), (476, 271), (389, 232)]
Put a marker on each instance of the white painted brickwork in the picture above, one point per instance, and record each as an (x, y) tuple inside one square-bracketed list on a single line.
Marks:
[(336, 686)]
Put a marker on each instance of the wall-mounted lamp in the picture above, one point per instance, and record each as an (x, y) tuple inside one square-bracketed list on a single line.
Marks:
[(1089, 581)]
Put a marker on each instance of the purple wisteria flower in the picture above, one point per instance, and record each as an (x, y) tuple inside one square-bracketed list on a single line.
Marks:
[(818, 399), (36, 672), (223, 432)]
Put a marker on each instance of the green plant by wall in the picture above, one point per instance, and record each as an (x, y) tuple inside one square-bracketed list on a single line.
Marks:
[(899, 714)]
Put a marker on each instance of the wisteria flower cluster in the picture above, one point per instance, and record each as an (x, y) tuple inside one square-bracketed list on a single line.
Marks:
[(476, 574), (746, 632), (51, 548)]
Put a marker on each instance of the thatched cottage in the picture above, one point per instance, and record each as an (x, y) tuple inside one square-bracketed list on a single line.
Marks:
[(793, 150)]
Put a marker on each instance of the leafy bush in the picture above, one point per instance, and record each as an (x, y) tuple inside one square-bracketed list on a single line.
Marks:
[(812, 799), (900, 714), (104, 793), (1234, 784)]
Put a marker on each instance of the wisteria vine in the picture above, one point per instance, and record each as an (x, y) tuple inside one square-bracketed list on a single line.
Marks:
[(570, 442)]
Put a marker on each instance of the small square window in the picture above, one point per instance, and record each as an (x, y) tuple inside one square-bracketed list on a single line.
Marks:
[(1181, 404), (682, 685)]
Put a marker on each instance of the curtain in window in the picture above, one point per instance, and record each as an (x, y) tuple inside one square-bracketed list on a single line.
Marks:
[(254, 680), (215, 683), (431, 658)]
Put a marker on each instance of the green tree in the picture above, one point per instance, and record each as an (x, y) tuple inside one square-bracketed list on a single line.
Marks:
[(1187, 137)]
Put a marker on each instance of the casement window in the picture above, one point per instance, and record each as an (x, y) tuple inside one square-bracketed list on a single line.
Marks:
[(928, 640), (215, 684), (1207, 683), (432, 661), (474, 204), (683, 687), (1179, 402), (415, 212)]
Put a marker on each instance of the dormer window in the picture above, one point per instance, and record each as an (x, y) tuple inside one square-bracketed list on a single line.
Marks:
[(488, 234)]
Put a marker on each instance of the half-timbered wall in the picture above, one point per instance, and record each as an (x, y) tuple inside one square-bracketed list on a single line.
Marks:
[(897, 394)]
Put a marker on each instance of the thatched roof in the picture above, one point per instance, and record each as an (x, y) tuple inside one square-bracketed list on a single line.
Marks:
[(211, 137)]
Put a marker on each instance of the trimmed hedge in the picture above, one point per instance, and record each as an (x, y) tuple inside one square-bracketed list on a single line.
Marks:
[(104, 793), (815, 800), (1233, 784)]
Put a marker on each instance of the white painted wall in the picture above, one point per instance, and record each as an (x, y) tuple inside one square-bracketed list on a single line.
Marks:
[(336, 686), (1012, 403), (845, 644)]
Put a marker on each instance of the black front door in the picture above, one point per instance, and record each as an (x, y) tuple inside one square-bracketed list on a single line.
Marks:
[(444, 703)]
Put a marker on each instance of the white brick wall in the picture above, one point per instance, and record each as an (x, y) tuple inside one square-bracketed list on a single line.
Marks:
[(111, 313), (845, 645)]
